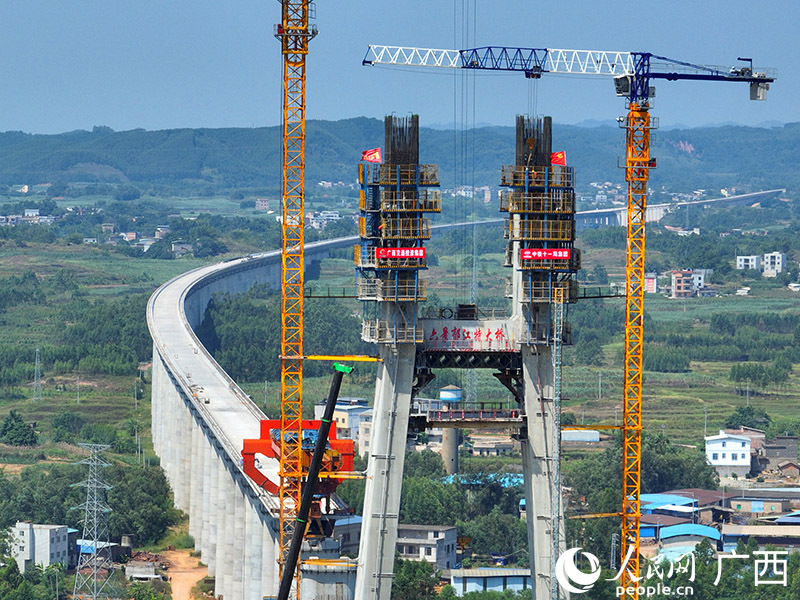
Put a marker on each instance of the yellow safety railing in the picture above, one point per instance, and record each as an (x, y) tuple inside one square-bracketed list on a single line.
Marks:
[(557, 201), (402, 290), (556, 231), (515, 176), (411, 200), (404, 175), (542, 291), (383, 332), (411, 228)]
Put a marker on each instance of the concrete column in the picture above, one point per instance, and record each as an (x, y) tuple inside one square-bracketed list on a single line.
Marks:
[(221, 567), (450, 449), (253, 556), (183, 454), (156, 373), (240, 542), (385, 472), (538, 452), (270, 575), (196, 486), (207, 505), (225, 553)]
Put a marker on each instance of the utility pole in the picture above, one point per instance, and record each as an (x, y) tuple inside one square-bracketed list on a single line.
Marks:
[(78, 386), (705, 419)]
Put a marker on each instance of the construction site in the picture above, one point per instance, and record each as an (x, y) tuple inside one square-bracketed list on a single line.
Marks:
[(283, 483)]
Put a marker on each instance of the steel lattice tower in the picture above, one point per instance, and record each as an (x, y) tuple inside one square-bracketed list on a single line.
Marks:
[(92, 575), (37, 377)]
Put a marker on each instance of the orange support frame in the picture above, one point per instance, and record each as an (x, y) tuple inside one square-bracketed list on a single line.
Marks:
[(338, 457), (637, 166)]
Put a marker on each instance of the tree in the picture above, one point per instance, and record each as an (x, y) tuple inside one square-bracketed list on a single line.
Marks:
[(599, 274), (423, 464), (15, 432), (748, 416), (414, 580)]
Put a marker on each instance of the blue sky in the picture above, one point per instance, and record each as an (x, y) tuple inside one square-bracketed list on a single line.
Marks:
[(175, 63)]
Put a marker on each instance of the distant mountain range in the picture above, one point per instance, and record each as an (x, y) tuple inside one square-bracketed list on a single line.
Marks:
[(223, 160)]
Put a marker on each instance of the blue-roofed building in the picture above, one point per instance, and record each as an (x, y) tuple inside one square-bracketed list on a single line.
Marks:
[(497, 580), (348, 532), (688, 534), (651, 502)]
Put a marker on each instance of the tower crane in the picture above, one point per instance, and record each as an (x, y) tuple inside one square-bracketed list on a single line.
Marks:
[(294, 33), (632, 73)]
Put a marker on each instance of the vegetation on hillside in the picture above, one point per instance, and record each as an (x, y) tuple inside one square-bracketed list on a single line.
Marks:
[(207, 160)]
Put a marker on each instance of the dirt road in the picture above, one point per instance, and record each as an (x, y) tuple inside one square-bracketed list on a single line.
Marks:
[(183, 572)]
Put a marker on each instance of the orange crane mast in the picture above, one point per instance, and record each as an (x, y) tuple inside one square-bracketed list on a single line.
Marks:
[(294, 33)]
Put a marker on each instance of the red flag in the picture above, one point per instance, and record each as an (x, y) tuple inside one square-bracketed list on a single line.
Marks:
[(373, 155), (559, 158)]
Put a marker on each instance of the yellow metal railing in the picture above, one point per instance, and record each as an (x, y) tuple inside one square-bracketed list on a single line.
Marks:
[(411, 200), (367, 258), (401, 175), (557, 201), (516, 176), (542, 291), (411, 228), (379, 332), (402, 290), (555, 231)]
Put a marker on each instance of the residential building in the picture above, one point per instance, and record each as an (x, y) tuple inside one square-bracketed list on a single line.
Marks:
[(744, 263), (435, 544), (699, 278), (348, 532), (682, 284), (161, 231), (262, 204), (346, 416), (728, 453), (782, 448), (364, 432), (774, 263), (43, 545)]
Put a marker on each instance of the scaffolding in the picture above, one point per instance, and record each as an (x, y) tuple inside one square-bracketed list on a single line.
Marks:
[(394, 199)]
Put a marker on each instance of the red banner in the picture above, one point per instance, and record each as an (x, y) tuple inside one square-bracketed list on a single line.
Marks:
[(373, 155), (559, 158), (545, 253), (400, 252)]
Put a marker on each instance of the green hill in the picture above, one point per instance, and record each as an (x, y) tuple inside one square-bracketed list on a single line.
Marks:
[(227, 159)]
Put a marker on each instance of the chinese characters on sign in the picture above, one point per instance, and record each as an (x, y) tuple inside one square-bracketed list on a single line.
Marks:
[(400, 252), (466, 336), (545, 253)]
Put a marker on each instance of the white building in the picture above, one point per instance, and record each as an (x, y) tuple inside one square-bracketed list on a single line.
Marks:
[(774, 263), (345, 415), (435, 544), (744, 263), (44, 545), (364, 432), (728, 453)]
